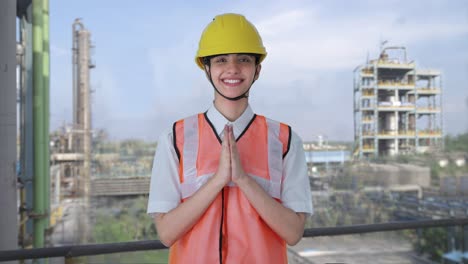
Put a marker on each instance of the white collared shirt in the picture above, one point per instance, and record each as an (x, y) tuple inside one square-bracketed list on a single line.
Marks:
[(165, 193)]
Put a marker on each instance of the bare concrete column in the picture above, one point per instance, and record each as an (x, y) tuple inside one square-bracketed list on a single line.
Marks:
[(8, 203)]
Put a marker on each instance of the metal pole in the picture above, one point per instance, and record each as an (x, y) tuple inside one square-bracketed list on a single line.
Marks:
[(418, 242), (326, 154), (465, 239), (21, 173), (26, 127), (29, 122), (38, 121), (46, 76), (441, 115), (74, 75), (8, 203)]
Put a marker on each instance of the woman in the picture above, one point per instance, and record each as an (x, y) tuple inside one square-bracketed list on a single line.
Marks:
[(229, 186)]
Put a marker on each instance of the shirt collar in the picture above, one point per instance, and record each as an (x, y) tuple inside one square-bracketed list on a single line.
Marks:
[(219, 121)]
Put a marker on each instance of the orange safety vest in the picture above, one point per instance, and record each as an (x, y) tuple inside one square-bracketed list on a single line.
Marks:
[(230, 230)]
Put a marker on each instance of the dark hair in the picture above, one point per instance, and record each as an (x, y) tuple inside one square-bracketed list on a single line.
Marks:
[(206, 60)]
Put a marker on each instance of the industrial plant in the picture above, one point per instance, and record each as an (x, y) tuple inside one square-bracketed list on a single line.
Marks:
[(73, 193), (397, 106), (71, 149)]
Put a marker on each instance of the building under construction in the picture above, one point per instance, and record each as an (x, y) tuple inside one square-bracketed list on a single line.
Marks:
[(397, 107)]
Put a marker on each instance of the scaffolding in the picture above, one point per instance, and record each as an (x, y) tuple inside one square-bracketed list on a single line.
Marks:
[(397, 107)]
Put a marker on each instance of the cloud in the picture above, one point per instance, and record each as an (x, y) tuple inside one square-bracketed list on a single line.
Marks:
[(282, 23), (300, 39), (306, 78)]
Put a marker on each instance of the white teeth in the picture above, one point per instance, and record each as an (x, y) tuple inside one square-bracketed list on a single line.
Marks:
[(232, 81)]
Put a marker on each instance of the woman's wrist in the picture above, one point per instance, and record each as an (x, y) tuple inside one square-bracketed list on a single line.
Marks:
[(243, 181), (217, 182)]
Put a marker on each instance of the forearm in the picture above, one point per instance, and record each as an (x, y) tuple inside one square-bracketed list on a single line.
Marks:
[(288, 224), (172, 225)]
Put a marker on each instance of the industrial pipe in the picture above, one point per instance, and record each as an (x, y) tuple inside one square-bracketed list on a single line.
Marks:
[(46, 98), (39, 210), (8, 182)]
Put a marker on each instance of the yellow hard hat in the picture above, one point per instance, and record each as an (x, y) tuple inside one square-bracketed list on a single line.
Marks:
[(229, 33)]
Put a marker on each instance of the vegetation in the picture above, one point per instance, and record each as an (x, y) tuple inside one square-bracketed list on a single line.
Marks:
[(454, 145), (129, 158), (432, 242), (127, 222), (458, 143), (347, 209)]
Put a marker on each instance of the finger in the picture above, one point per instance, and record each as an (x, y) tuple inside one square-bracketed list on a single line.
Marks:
[(231, 137), (225, 149), (225, 141), (232, 144), (231, 133)]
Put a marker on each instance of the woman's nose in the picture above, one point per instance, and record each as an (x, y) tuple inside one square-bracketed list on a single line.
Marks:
[(233, 66)]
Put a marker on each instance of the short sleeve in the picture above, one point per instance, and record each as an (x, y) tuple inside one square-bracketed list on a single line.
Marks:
[(295, 192), (165, 193)]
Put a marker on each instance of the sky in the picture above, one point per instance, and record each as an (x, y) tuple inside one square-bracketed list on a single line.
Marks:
[(146, 78)]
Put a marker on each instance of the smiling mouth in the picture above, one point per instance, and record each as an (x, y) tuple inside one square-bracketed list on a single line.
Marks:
[(232, 81)]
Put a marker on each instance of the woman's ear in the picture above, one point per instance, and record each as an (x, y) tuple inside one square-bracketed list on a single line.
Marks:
[(258, 68), (207, 70)]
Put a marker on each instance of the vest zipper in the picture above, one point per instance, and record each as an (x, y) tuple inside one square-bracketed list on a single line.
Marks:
[(221, 229)]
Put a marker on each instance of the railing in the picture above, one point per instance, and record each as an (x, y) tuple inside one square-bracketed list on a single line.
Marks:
[(396, 84), (367, 93), (395, 105), (430, 133), (99, 249), (368, 148), (409, 133), (395, 63), (367, 71), (427, 90), (428, 109), (397, 133)]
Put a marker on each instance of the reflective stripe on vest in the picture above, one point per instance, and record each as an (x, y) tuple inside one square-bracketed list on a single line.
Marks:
[(230, 228), (192, 183)]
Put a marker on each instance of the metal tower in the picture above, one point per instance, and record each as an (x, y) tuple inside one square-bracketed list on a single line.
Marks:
[(82, 110), (397, 107)]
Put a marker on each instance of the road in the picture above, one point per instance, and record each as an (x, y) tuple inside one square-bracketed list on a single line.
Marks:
[(67, 231)]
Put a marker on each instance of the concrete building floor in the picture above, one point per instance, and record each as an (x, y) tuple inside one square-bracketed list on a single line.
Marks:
[(357, 249)]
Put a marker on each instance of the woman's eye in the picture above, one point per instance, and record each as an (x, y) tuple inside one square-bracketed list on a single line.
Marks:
[(220, 60), (245, 59)]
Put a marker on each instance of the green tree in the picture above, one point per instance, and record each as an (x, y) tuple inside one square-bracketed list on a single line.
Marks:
[(458, 143), (432, 242), (129, 222)]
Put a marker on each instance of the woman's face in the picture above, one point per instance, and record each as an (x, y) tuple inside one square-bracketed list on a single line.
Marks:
[(233, 74)]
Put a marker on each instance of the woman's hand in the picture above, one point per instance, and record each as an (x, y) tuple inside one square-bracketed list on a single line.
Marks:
[(237, 172), (224, 174)]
